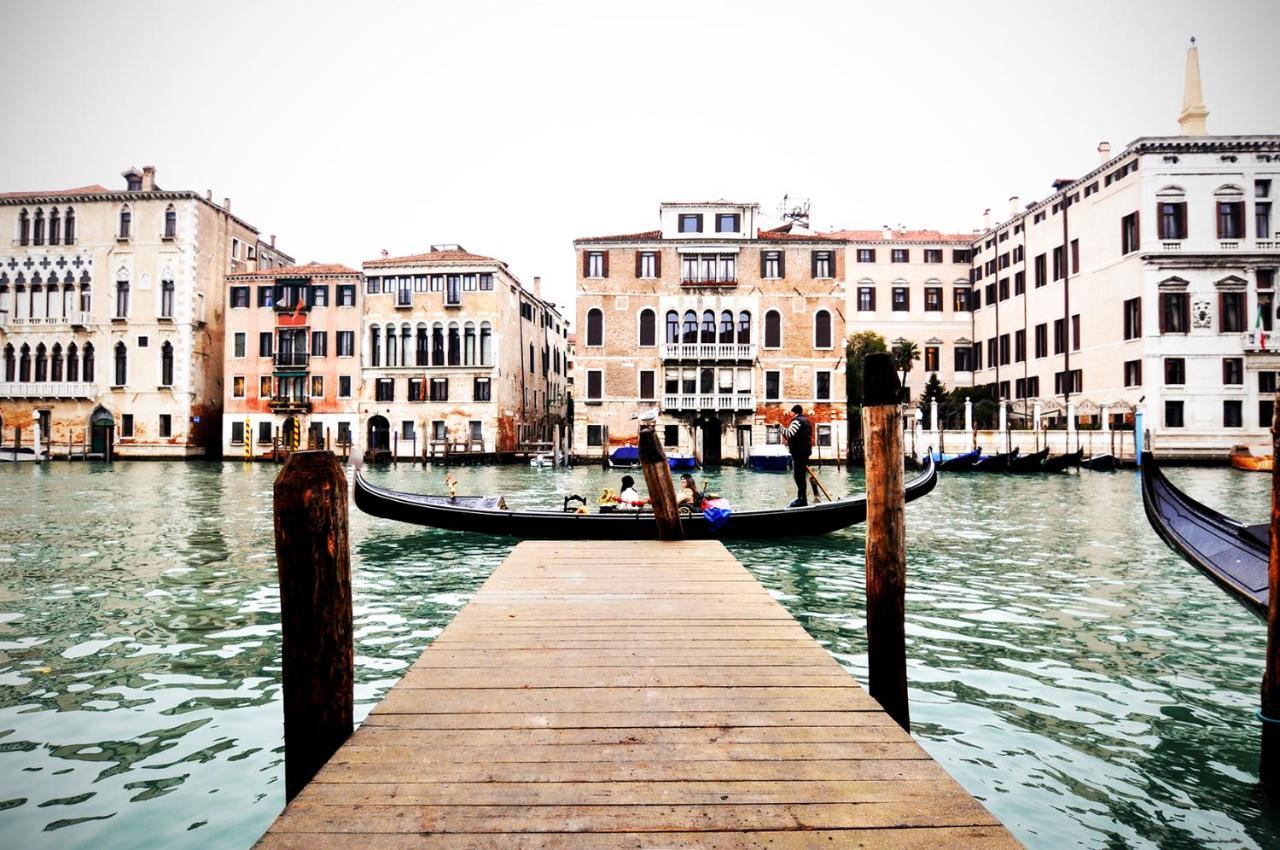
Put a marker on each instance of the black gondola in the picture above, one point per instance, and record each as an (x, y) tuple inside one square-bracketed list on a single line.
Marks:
[(1104, 462), (1028, 463), (488, 515), (995, 463), (1231, 553), (1059, 463), (957, 463)]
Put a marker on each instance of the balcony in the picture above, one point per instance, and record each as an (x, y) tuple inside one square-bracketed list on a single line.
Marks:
[(707, 351), (1259, 342), (700, 280), (46, 389), (78, 318), (284, 404), (1171, 245), (1229, 244), (709, 401), (292, 360)]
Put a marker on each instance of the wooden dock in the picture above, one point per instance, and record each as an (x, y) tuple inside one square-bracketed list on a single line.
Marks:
[(629, 694)]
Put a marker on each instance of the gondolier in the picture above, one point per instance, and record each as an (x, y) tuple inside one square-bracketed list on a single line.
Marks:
[(799, 437)]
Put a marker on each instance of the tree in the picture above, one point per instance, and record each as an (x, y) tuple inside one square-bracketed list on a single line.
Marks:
[(905, 352), (934, 390), (857, 346)]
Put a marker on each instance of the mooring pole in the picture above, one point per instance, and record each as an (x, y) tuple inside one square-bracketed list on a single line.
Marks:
[(657, 478), (1269, 768), (317, 659), (886, 537)]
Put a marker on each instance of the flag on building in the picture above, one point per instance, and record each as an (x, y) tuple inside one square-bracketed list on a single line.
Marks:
[(1260, 330)]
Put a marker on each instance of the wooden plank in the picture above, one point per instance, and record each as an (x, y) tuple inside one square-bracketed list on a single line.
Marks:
[(629, 701)]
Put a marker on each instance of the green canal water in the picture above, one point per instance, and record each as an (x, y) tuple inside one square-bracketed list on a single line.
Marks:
[(1091, 688)]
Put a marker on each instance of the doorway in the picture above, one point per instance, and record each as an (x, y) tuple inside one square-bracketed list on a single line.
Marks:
[(710, 428), (379, 434), (289, 433), (102, 426)]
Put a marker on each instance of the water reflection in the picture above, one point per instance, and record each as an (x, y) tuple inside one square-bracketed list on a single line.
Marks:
[(1067, 668)]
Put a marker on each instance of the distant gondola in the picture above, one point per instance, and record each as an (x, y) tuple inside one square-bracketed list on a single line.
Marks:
[(957, 463), (1028, 463), (488, 515), (1104, 462), (994, 463), (1231, 553), (1059, 463)]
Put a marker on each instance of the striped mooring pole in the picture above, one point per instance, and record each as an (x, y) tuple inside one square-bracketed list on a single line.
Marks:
[(248, 440)]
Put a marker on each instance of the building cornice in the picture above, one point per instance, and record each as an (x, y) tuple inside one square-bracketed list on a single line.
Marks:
[(121, 196)]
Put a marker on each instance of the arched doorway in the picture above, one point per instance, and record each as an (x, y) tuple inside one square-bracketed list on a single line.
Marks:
[(379, 435), (102, 427), (289, 433), (709, 425)]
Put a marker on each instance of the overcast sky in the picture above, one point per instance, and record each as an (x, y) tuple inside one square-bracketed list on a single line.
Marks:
[(512, 128)]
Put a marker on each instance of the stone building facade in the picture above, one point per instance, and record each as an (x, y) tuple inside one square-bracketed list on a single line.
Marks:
[(292, 362), (112, 303), (719, 324), (1145, 286), (455, 351)]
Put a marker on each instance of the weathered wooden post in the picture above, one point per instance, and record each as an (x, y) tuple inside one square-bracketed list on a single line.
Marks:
[(317, 660), (1269, 768), (604, 446), (886, 537), (657, 478)]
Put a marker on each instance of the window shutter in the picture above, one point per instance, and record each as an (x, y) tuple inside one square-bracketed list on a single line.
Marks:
[(782, 263), (763, 255), (639, 255), (586, 263), (657, 264), (1186, 313), (1182, 221), (1222, 313), (1164, 312), (1220, 206), (873, 298), (813, 264), (605, 264)]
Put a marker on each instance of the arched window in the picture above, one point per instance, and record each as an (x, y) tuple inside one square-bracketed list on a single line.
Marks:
[(88, 363), (455, 345), (42, 363), (68, 295), (708, 326), (73, 363), (122, 299), (375, 350), (166, 299), (126, 222), (437, 344), (673, 327), (822, 329), (726, 326), (55, 227), (648, 327), (24, 228), (690, 327), (35, 298), (744, 328), (469, 344), (773, 329), (69, 228), (122, 366), (166, 365), (86, 296), (406, 339), (55, 363), (422, 347), (10, 364), (24, 363), (393, 349), (595, 327), (170, 222), (486, 344), (37, 228)]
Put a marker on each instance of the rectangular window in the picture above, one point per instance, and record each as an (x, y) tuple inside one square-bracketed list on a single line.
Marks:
[(1004, 260), (264, 387), (266, 296), (371, 286), (1233, 371), (384, 389), (992, 351), (438, 430), (122, 299), (346, 342), (468, 283), (1019, 282), (1133, 373), (406, 429), (595, 385), (1040, 266), (595, 435), (727, 222), (237, 433), (264, 432), (822, 386), (1059, 263), (126, 425), (670, 435), (646, 264), (1075, 255), (1068, 382), (1004, 349), (344, 386), (439, 389), (866, 299), (1262, 220), (1042, 340), (690, 222), (823, 434), (899, 255), (933, 299), (239, 296), (595, 264), (481, 390), (1059, 336), (1173, 414), (317, 386), (960, 299), (1231, 219), (1175, 371), (648, 385), (901, 299), (486, 281), (166, 425), (1175, 312), (1172, 218), (238, 344), (320, 295), (977, 356), (961, 255), (866, 255), (1266, 412), (932, 358), (963, 358), (346, 295), (1004, 289), (264, 344), (824, 264), (1231, 312), (237, 386), (1133, 318), (1020, 345), (319, 343), (933, 255), (772, 385), (771, 265), (1075, 332)]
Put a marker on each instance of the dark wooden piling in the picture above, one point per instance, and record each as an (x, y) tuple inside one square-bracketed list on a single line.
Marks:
[(1269, 769), (657, 478), (314, 564), (886, 538)]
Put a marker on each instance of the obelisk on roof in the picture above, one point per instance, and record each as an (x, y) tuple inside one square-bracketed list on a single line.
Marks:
[(1193, 110)]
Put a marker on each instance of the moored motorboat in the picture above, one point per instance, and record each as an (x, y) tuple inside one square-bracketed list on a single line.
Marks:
[(1060, 463), (1242, 458), (1028, 463), (957, 463), (769, 458), (1231, 553), (489, 515), (628, 457)]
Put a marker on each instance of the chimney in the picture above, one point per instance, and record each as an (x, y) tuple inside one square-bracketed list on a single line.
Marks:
[(986, 219), (1104, 152), (148, 178), (385, 253), (537, 286), (885, 232), (1013, 205), (226, 205), (273, 240), (208, 195)]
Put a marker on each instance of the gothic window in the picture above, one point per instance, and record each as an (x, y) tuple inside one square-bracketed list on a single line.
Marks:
[(166, 365), (88, 363), (726, 327), (170, 222), (673, 327), (55, 363), (744, 328), (690, 330), (122, 365), (708, 326), (37, 228), (55, 227), (73, 363), (24, 364), (69, 227), (9, 363), (24, 228), (166, 299), (126, 222)]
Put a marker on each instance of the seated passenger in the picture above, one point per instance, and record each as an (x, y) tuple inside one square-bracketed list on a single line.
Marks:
[(689, 494), (629, 499)]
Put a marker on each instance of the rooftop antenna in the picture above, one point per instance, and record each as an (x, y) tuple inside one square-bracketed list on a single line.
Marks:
[(794, 211)]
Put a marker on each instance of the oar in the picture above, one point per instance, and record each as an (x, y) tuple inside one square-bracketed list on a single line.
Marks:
[(813, 479)]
